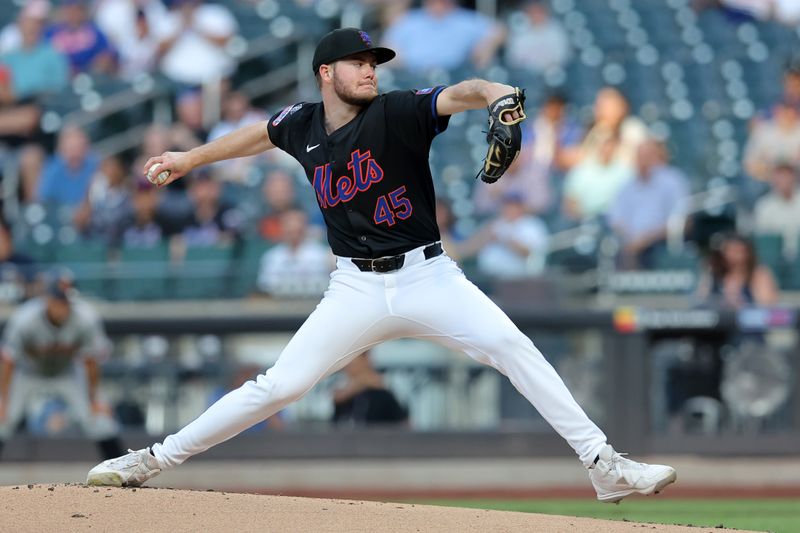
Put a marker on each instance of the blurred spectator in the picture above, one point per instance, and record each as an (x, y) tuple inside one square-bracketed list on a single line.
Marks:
[(28, 67), (212, 222), (524, 178), (131, 27), (612, 120), (512, 246), (142, 224), (188, 131), (735, 278), (778, 212), (79, 38), (791, 84), (17, 271), (540, 43), (445, 220), (790, 95), (606, 158), (773, 141), (30, 165), (556, 136), (298, 265), (443, 35), (11, 35), (192, 37), (156, 141), (279, 197), (19, 121), (236, 113), (640, 211), (108, 197), (591, 185), (67, 174), (385, 12), (364, 398), (35, 66)]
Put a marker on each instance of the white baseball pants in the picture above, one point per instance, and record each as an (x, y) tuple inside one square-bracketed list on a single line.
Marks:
[(426, 299), (70, 387)]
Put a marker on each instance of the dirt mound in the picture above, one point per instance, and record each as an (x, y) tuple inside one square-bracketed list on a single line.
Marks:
[(82, 508)]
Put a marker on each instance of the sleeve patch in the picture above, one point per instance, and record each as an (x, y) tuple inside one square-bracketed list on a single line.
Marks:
[(425, 91), (285, 113)]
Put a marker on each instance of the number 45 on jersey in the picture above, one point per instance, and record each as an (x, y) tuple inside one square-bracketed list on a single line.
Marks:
[(391, 207)]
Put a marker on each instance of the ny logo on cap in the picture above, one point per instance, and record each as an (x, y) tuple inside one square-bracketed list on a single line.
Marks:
[(365, 37)]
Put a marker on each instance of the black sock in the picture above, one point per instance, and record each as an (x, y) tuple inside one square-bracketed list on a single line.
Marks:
[(110, 448)]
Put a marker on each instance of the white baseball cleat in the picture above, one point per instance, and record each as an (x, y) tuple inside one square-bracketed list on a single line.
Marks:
[(615, 477), (129, 470)]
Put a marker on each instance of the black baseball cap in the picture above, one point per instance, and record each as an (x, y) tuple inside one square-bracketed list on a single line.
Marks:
[(344, 42)]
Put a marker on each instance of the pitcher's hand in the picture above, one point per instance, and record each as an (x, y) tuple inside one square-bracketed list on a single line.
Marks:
[(178, 164)]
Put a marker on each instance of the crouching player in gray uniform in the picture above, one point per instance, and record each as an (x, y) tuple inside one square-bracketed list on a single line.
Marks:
[(51, 347)]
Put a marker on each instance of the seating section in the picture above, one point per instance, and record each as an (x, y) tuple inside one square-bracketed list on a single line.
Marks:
[(205, 272), (140, 273), (697, 79)]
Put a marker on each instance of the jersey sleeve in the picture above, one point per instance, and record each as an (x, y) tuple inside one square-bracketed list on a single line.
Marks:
[(413, 113), (282, 127)]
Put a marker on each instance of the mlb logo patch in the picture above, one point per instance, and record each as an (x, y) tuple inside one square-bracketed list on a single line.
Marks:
[(286, 112), (425, 91)]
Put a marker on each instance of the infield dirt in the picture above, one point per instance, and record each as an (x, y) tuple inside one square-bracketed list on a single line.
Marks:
[(73, 507)]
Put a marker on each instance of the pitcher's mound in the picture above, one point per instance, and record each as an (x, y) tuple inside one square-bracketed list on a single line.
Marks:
[(83, 508)]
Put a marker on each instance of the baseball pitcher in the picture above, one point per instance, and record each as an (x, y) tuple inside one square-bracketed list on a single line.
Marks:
[(366, 156)]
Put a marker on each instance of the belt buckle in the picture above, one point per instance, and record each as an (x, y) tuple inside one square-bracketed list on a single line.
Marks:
[(376, 264)]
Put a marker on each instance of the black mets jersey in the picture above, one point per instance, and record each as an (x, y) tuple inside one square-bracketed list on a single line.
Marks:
[(371, 176)]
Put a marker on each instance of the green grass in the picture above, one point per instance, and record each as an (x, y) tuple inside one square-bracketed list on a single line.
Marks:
[(780, 516)]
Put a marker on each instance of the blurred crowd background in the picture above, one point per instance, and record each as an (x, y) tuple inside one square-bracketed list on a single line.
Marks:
[(660, 158), (654, 128)]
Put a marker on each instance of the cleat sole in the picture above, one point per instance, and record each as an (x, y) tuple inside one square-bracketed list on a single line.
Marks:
[(104, 479)]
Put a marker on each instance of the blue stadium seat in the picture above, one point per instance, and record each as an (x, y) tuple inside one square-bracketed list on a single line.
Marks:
[(87, 260), (769, 249), (206, 272), (247, 261), (140, 273)]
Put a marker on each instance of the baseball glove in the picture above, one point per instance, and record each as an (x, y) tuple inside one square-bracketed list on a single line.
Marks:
[(504, 135)]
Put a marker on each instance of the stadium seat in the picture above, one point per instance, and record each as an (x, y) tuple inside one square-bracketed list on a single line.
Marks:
[(666, 260), (87, 260), (40, 251), (204, 273), (141, 273), (789, 275), (769, 250), (247, 261)]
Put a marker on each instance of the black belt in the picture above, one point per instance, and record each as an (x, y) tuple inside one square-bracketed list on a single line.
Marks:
[(394, 262)]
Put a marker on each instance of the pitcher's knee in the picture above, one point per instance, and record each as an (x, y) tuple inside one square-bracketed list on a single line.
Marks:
[(506, 340), (281, 388)]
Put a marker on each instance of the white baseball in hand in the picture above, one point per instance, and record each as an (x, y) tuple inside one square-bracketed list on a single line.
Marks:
[(155, 177)]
